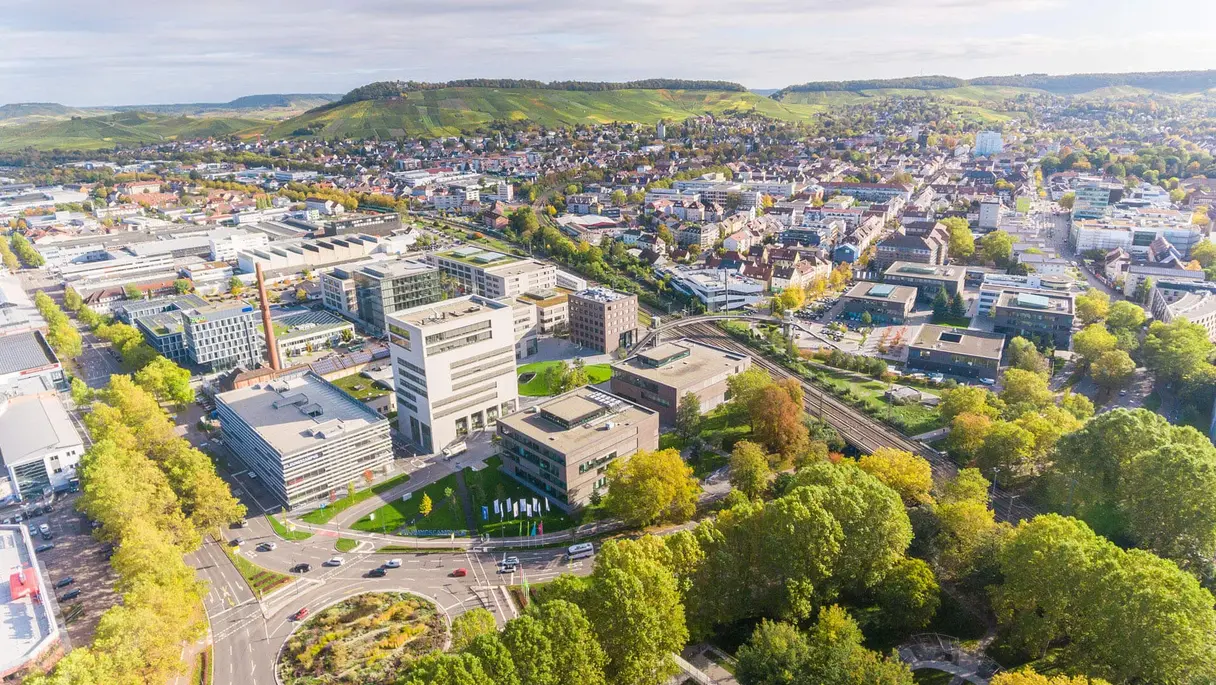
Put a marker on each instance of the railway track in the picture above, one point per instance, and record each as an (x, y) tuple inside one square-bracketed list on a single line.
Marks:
[(856, 427)]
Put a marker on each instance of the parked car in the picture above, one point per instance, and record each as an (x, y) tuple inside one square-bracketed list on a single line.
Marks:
[(299, 615), (301, 568), (393, 563), (44, 529), (45, 548), (508, 565), (70, 595), (64, 582), (47, 535)]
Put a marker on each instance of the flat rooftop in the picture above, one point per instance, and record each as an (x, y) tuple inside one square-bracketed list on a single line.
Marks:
[(680, 364), (960, 341), (32, 426), (881, 292), (478, 256), (298, 413), (307, 323), (937, 272), (576, 420), (601, 295), (445, 311), (25, 627), (221, 309), (1042, 301), (396, 269), (544, 298), (24, 351)]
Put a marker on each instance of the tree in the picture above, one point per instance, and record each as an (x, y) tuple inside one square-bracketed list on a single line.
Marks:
[(301, 295), (749, 470), (968, 399), (867, 318), (1024, 391), (167, 381), (439, 668), (776, 420), (967, 434), (962, 240), (425, 507), (651, 487), (1029, 677), (618, 198), (1177, 350), (181, 286), (578, 656), (72, 299), (967, 527), (1008, 450), (903, 472), (1078, 405), (1067, 200), (908, 597), (688, 416), (774, 655), (1092, 306), (958, 307), (236, 286), (997, 247), (1113, 369), (1144, 289), (523, 222), (941, 305), (1168, 496), (495, 659), (1092, 342), (1024, 355), (471, 624), (1127, 616), (1204, 252), (531, 650), (633, 603), (82, 395), (1125, 316)]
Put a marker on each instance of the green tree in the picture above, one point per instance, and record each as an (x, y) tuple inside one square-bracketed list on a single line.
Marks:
[(1008, 450), (1092, 342), (182, 286), (749, 471), (438, 668), (425, 507), (1168, 497), (744, 387), (1024, 355), (1092, 306), (578, 656), (997, 247), (651, 487), (301, 295), (967, 434), (72, 299), (904, 472), (1027, 676), (495, 659), (1113, 369), (132, 292), (1078, 405), (1204, 252), (236, 286), (1125, 316), (969, 399), (1067, 200), (941, 305), (1177, 350), (1025, 391), (531, 650), (469, 625), (775, 654), (82, 395), (958, 307), (962, 240), (967, 530), (908, 597), (688, 416)]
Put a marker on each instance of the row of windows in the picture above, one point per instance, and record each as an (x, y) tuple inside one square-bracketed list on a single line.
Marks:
[(457, 344), (492, 397), (480, 357)]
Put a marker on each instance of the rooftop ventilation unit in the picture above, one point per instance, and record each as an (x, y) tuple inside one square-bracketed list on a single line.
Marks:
[(314, 410)]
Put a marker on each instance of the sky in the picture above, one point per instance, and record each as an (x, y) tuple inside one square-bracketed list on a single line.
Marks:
[(85, 52)]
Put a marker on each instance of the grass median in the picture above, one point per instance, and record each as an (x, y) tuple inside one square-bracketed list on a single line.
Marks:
[(322, 516), (286, 533), (260, 580)]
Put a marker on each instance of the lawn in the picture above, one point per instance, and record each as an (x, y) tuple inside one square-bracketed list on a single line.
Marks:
[(911, 418), (446, 515), (719, 428), (261, 581), (321, 516), (489, 484), (285, 533), (928, 676), (537, 386), (345, 544), (360, 388)]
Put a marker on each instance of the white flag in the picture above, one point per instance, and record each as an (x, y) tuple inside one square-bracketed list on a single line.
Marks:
[(508, 505), (546, 504), (517, 508), (536, 504), (528, 509), (497, 507)]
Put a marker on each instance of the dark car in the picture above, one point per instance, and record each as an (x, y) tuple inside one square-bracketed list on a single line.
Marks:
[(69, 595), (301, 568), (45, 548), (237, 542), (64, 582), (378, 572), (48, 535)]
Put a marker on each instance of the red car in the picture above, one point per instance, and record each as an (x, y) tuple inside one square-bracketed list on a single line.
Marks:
[(460, 573), (299, 615)]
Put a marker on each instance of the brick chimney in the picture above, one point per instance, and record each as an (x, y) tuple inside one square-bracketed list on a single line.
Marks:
[(272, 347)]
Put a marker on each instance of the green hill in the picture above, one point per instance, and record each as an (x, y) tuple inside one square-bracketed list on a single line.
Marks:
[(450, 111), (127, 128)]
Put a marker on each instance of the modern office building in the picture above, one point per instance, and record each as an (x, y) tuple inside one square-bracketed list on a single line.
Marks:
[(993, 284), (928, 279), (603, 319), (494, 274), (1195, 301), (17, 311), (719, 290), (453, 367), (31, 634), (130, 311), (39, 445), (562, 448), (886, 303), (659, 378), (222, 336), (1135, 231), (1093, 196), (956, 351), (1045, 317), (304, 438), (28, 365), (552, 309), (307, 331), (367, 292)]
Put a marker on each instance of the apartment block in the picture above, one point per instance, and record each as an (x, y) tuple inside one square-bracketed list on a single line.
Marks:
[(562, 448), (304, 437), (368, 292), (602, 319), (454, 368), (659, 378), (223, 336), (494, 274)]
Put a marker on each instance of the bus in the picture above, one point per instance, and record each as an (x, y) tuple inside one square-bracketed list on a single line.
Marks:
[(580, 551)]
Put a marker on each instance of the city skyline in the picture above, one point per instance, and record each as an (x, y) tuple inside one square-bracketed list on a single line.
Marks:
[(138, 53)]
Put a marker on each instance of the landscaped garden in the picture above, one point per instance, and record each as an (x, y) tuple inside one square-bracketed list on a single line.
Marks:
[(368, 639), (360, 388), (533, 381), (446, 512), (260, 580), (322, 516), (491, 484)]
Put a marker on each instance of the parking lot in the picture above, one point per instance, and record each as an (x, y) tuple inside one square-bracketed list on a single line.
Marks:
[(78, 556)]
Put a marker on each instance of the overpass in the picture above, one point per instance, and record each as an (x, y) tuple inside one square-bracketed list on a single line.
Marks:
[(653, 336)]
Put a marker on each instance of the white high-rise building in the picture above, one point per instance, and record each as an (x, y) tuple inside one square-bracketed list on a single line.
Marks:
[(453, 367), (660, 130), (988, 143)]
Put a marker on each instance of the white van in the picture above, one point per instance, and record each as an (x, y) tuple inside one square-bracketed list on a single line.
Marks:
[(580, 551), (455, 450)]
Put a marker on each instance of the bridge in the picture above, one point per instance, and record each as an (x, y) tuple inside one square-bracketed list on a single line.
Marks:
[(654, 336)]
